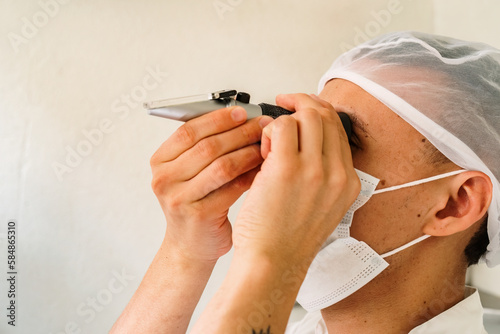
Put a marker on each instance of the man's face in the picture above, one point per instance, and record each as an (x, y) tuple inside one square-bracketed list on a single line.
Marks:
[(390, 149)]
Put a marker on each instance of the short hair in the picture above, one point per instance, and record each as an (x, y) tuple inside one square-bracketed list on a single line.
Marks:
[(477, 244)]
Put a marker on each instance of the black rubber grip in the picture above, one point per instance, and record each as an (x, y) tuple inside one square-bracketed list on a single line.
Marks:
[(275, 112), (346, 123)]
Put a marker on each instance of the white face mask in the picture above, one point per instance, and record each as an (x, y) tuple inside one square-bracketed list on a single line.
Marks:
[(344, 264)]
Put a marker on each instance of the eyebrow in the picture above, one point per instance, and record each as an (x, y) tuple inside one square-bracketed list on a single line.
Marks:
[(358, 123), (354, 119)]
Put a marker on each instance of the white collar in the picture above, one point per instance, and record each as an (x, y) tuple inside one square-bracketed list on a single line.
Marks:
[(464, 317)]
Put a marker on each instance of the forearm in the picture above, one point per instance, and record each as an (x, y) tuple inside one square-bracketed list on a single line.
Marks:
[(255, 297), (167, 295)]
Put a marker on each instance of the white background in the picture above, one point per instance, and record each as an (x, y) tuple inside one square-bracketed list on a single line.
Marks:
[(81, 69)]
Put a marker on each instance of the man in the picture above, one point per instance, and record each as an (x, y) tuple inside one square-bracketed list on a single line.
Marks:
[(425, 133)]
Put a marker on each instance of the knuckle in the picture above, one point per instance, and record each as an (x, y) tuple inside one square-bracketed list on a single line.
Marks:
[(309, 111), (244, 181), (329, 120), (356, 184), (284, 121), (246, 132), (327, 113), (303, 113), (186, 134), (240, 182), (321, 113), (302, 96), (338, 180), (330, 115), (250, 156), (310, 114), (254, 152), (222, 169), (207, 147), (159, 183), (154, 159), (174, 202), (157, 157), (315, 176)]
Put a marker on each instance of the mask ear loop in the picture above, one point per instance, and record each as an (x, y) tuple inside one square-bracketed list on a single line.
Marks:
[(410, 184), (417, 182), (411, 243)]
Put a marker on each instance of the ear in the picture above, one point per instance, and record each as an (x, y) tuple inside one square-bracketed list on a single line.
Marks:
[(463, 201)]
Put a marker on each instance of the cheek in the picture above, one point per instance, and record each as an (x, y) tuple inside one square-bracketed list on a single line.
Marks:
[(370, 223), (387, 220)]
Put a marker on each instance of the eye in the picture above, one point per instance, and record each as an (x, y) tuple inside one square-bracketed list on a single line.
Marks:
[(354, 140)]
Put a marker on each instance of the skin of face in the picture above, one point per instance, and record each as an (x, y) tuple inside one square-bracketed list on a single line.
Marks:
[(391, 150), (431, 272)]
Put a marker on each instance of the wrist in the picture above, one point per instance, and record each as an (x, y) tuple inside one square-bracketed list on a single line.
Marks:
[(184, 261), (269, 271), (199, 242), (173, 284), (292, 263), (257, 294)]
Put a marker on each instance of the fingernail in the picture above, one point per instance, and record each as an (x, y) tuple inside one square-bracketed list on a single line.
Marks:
[(238, 114), (265, 121)]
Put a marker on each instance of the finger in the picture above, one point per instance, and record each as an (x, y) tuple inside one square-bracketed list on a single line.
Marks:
[(310, 130), (196, 129), (223, 170), (284, 138), (295, 102), (207, 150), (337, 155), (331, 138), (332, 117), (335, 135), (328, 113), (226, 195), (265, 145), (265, 141), (324, 103)]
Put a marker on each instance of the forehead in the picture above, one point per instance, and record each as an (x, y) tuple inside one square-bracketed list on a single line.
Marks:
[(368, 111), (390, 147)]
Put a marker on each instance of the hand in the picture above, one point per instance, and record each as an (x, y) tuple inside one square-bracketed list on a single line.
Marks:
[(305, 185), (199, 172)]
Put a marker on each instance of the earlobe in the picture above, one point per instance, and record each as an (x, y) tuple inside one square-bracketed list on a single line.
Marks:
[(465, 200)]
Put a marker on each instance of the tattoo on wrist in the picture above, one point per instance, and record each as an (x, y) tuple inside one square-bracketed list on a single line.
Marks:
[(268, 331)]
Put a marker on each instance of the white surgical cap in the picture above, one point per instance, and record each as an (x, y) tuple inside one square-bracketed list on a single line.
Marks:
[(447, 89)]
